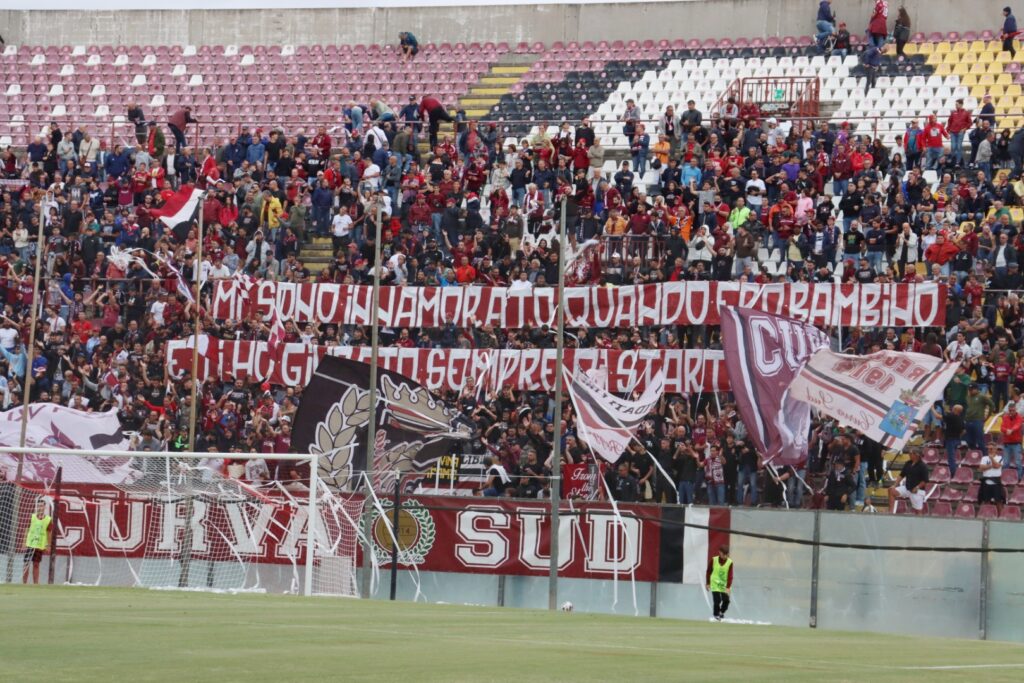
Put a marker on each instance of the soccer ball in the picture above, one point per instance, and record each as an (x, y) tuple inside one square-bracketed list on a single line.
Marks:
[(566, 606)]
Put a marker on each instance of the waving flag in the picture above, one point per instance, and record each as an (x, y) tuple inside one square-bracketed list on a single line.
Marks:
[(180, 211), (607, 422), (413, 428), (763, 354), (881, 395)]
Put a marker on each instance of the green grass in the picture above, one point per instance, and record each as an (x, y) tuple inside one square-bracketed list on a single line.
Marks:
[(100, 634)]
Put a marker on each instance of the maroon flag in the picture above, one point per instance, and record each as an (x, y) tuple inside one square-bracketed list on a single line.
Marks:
[(763, 355)]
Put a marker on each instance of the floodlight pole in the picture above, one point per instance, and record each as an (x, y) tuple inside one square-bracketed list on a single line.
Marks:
[(198, 268), (371, 438), (556, 451)]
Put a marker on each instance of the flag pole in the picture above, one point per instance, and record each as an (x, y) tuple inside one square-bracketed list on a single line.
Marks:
[(556, 452), (30, 352), (198, 271), (371, 438)]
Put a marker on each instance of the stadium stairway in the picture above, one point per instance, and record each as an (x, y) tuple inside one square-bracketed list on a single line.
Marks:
[(317, 253)]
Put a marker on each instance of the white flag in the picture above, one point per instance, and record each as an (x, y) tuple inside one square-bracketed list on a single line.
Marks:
[(607, 422), (881, 395)]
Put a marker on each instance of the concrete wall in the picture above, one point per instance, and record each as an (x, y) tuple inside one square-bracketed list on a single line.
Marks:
[(681, 19)]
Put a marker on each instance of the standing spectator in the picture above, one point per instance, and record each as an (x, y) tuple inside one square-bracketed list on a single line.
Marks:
[(959, 121), (432, 112), (931, 138), (991, 489), (913, 477), (952, 432), (838, 486), (137, 118), (1009, 32), (979, 406), (878, 30), (624, 486), (714, 475), (825, 23), (639, 148), (178, 122), (1011, 428), (689, 121), (871, 59), (901, 32)]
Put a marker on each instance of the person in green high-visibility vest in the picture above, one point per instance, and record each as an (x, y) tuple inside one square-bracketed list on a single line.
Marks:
[(719, 580), (37, 541)]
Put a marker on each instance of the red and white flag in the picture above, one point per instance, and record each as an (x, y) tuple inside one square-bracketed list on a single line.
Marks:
[(763, 354), (276, 340), (607, 422), (880, 395), (180, 210)]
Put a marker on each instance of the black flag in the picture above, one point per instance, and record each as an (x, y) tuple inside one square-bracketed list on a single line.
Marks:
[(414, 428)]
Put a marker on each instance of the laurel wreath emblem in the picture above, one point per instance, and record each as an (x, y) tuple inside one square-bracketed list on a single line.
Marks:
[(417, 553), (334, 444)]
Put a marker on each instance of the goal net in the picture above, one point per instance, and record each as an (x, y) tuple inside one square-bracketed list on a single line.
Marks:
[(188, 524)]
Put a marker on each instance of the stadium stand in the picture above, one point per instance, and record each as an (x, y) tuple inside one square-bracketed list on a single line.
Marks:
[(98, 318)]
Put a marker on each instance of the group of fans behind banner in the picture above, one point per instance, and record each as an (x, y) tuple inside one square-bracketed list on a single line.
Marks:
[(479, 210)]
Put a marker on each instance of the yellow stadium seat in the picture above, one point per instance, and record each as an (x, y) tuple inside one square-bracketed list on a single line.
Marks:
[(912, 49), (923, 48), (943, 69), (1004, 79), (993, 46), (960, 69), (1001, 58), (966, 58), (995, 68), (1014, 90), (1016, 214), (978, 46), (977, 68), (970, 80), (941, 48), (960, 46), (987, 80)]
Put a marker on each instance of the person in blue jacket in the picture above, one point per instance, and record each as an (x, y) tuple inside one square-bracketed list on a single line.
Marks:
[(410, 46), (1009, 32), (825, 22)]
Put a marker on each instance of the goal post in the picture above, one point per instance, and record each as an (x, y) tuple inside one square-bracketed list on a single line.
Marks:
[(174, 520)]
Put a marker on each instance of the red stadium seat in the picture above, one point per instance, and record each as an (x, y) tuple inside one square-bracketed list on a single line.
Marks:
[(1011, 512), (964, 475), (942, 509), (988, 511), (931, 456), (973, 458), (940, 475), (965, 511), (1017, 497), (1009, 477)]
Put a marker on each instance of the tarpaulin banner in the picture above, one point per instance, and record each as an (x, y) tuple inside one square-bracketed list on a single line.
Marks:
[(669, 303), (450, 534), (686, 371), (881, 395), (763, 354)]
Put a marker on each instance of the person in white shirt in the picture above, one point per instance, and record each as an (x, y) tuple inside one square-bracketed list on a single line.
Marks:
[(522, 285), (991, 489), (157, 309), (8, 335), (219, 271), (959, 350), (341, 228), (371, 177)]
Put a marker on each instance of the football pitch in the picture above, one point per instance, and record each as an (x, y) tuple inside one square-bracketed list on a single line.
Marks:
[(102, 634)]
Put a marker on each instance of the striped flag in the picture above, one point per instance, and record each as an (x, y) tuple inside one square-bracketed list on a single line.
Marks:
[(180, 211), (763, 354), (881, 395), (607, 422)]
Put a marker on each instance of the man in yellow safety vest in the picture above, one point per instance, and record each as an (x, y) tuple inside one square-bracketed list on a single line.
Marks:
[(719, 580), (37, 541)]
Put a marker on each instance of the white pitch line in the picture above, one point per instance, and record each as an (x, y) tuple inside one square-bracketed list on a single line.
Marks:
[(957, 667)]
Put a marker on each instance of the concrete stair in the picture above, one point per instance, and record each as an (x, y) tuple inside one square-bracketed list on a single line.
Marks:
[(317, 253)]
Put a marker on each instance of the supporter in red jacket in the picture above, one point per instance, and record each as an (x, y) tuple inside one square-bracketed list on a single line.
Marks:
[(958, 124), (932, 141)]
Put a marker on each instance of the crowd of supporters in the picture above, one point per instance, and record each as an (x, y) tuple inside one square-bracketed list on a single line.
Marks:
[(722, 195)]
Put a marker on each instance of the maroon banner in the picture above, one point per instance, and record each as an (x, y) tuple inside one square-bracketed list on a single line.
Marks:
[(487, 536), (577, 481), (686, 371), (764, 353), (669, 303)]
